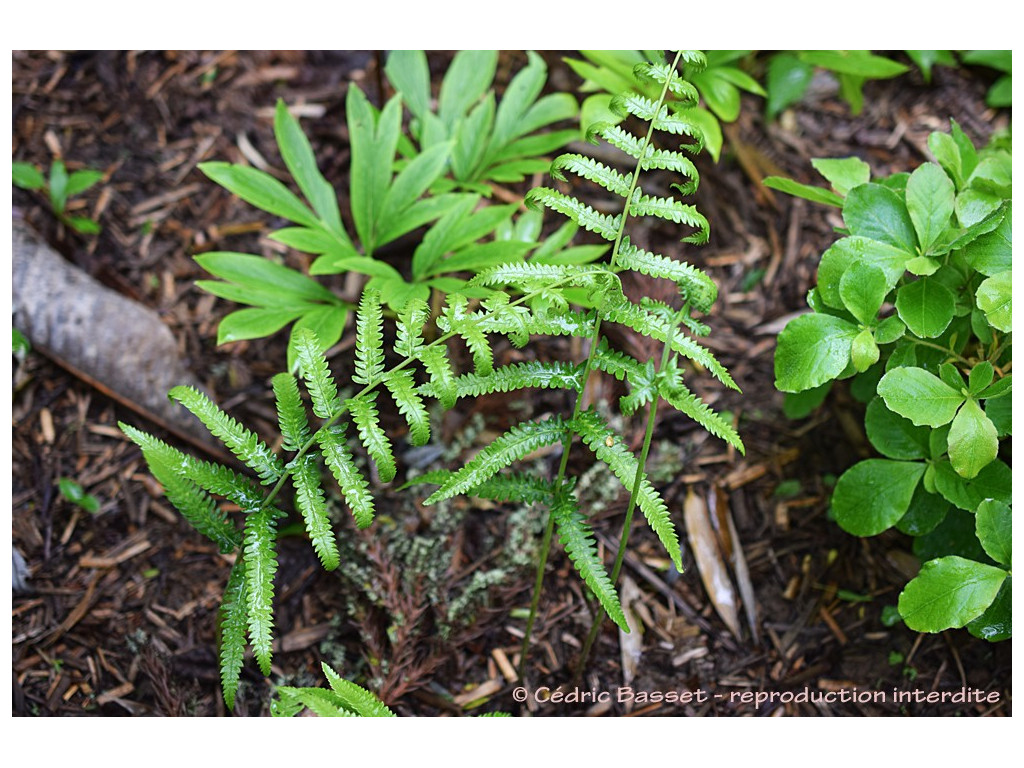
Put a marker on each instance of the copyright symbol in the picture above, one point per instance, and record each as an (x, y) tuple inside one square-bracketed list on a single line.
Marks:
[(519, 694)]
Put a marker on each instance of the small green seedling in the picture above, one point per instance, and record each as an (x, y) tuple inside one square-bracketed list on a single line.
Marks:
[(75, 493), (59, 187)]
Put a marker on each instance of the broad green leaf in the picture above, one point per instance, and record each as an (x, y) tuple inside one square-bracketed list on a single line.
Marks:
[(994, 481), (262, 274), (995, 299), (58, 187), (843, 174), (373, 139), (80, 181), (853, 250), (298, 156), (317, 241), (930, 202), (926, 512), (923, 265), (27, 176), (786, 82), (410, 184), (798, 405), (864, 351), (946, 151), (261, 190), (926, 306), (972, 440), (327, 324), (409, 73), (879, 213), (925, 60), (980, 377), (812, 349), (892, 435), (919, 396), (84, 225), (889, 330), (863, 288), (949, 593), (995, 530), (806, 191), (874, 494), (996, 623), (254, 323), (974, 206), (467, 78), (861, 64), (991, 253), (1000, 413)]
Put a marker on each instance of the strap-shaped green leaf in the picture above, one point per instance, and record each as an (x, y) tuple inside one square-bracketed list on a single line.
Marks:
[(403, 389), (291, 414), (364, 414), (609, 448), (239, 440), (369, 339), (592, 170), (674, 211), (313, 366), (592, 221), (234, 611), (695, 286), (579, 544), (685, 401), (502, 452), (309, 497), (409, 332), (260, 189), (354, 487), (442, 378), (260, 566)]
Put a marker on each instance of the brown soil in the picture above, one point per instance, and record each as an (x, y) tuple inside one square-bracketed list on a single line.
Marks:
[(119, 616)]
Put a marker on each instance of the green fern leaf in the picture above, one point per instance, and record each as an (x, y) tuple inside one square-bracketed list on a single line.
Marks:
[(309, 497), (674, 211), (695, 286), (510, 447), (367, 421), (194, 503), (527, 375), (319, 381), (442, 379), (662, 120), (353, 485), (233, 613), (320, 702), (409, 334), (578, 541), (514, 488), (358, 700), (240, 441), (682, 399), (369, 339), (592, 170), (609, 448), (592, 221), (403, 390), (662, 73), (260, 567), (291, 415)]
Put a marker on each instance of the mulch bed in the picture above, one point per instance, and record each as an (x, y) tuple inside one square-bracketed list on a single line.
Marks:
[(120, 610)]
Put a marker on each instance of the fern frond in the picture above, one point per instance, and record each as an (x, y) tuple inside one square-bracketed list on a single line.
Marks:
[(673, 316), (233, 615), (319, 381), (369, 339), (514, 488), (592, 170), (291, 414), (442, 378), (532, 374), (674, 211), (403, 390), (610, 449), (510, 447), (320, 702), (685, 92), (592, 221), (642, 321), (572, 323), (409, 333), (682, 399), (309, 497), (168, 466), (662, 120), (239, 440), (694, 285), (579, 544), (367, 421), (260, 566), (353, 485), (359, 700), (695, 60), (458, 319)]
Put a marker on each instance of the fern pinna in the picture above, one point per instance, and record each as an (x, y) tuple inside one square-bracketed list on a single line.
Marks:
[(648, 383)]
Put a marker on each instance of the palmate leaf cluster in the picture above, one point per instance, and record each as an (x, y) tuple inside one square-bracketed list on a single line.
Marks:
[(914, 306)]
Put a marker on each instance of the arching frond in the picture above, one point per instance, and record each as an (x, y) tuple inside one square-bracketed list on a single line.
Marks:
[(291, 414), (260, 550), (369, 339), (592, 221), (360, 701), (662, 119), (685, 401), (364, 415), (674, 211), (320, 702), (591, 169), (309, 497), (508, 378), (579, 544), (695, 286), (609, 448), (240, 441), (319, 381), (442, 378), (354, 487), (409, 334), (661, 73), (234, 611), (510, 447), (402, 387)]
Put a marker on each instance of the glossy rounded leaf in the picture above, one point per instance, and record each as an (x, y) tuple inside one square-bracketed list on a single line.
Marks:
[(920, 396), (879, 213), (843, 173), (892, 435), (996, 623), (873, 495), (995, 300), (930, 201), (973, 442), (995, 530), (812, 349), (948, 593), (995, 481), (864, 351), (925, 514), (863, 288), (858, 250), (926, 306)]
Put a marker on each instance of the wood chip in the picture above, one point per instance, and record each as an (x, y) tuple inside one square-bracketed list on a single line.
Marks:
[(481, 691)]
